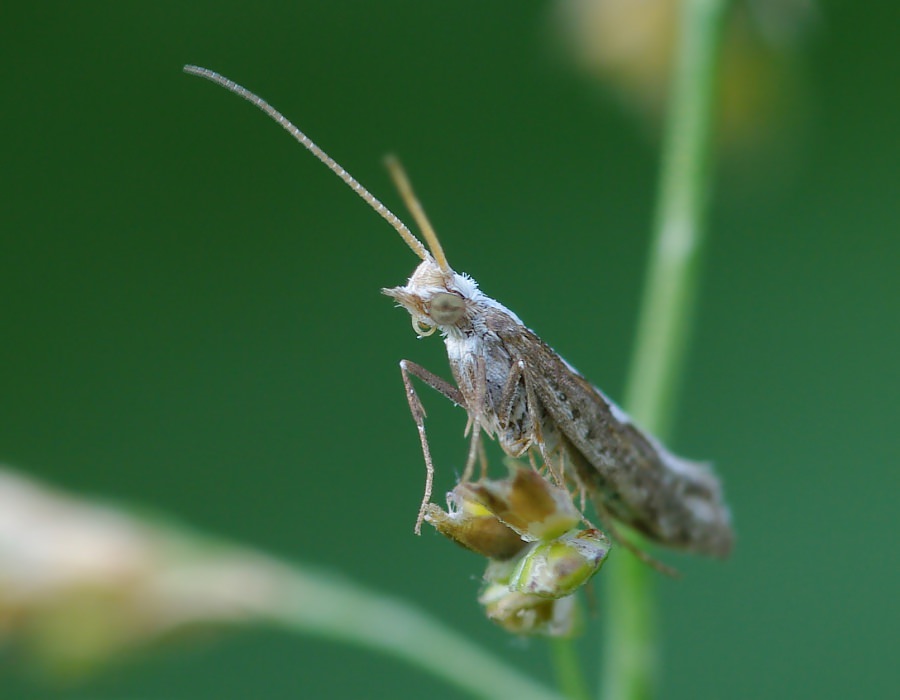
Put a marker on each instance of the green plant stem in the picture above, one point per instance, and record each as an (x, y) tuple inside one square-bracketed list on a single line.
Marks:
[(630, 650), (569, 674), (327, 606)]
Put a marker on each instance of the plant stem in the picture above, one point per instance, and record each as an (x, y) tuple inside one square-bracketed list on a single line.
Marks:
[(670, 291), (329, 607), (569, 675)]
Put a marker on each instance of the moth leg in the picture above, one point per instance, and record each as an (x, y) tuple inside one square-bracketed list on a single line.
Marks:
[(474, 424), (408, 369), (531, 400), (442, 386), (482, 457), (504, 414), (574, 485), (509, 392), (607, 520), (505, 406)]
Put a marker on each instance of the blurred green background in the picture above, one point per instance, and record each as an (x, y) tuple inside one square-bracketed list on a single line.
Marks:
[(191, 317)]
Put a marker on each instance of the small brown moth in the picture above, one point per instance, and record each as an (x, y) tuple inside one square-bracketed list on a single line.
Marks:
[(516, 389)]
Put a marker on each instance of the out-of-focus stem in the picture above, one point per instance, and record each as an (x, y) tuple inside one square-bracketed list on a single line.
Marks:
[(569, 674), (327, 606), (630, 651)]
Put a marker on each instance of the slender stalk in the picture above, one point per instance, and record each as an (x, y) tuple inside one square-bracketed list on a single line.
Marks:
[(569, 674), (630, 650), (329, 607)]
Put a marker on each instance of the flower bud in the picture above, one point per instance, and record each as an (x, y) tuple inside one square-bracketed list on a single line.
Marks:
[(526, 502), (471, 525), (521, 613), (558, 568)]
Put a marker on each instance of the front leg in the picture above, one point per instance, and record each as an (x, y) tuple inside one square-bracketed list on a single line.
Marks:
[(517, 383), (510, 392), (411, 369), (479, 385)]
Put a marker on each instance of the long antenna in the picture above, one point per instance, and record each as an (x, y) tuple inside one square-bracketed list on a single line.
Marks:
[(415, 207), (332, 164)]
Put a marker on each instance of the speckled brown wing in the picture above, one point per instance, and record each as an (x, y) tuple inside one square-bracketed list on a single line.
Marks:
[(673, 501)]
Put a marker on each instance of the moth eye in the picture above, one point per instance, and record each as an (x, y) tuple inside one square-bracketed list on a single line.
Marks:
[(446, 309)]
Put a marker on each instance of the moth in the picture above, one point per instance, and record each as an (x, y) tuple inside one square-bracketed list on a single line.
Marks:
[(519, 391)]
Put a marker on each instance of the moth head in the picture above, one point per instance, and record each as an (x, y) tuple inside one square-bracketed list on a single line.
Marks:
[(436, 298)]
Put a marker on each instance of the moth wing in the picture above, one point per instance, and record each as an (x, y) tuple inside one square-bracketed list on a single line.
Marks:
[(675, 501)]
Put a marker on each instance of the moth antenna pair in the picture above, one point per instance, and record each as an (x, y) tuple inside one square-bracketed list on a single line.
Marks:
[(394, 168)]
